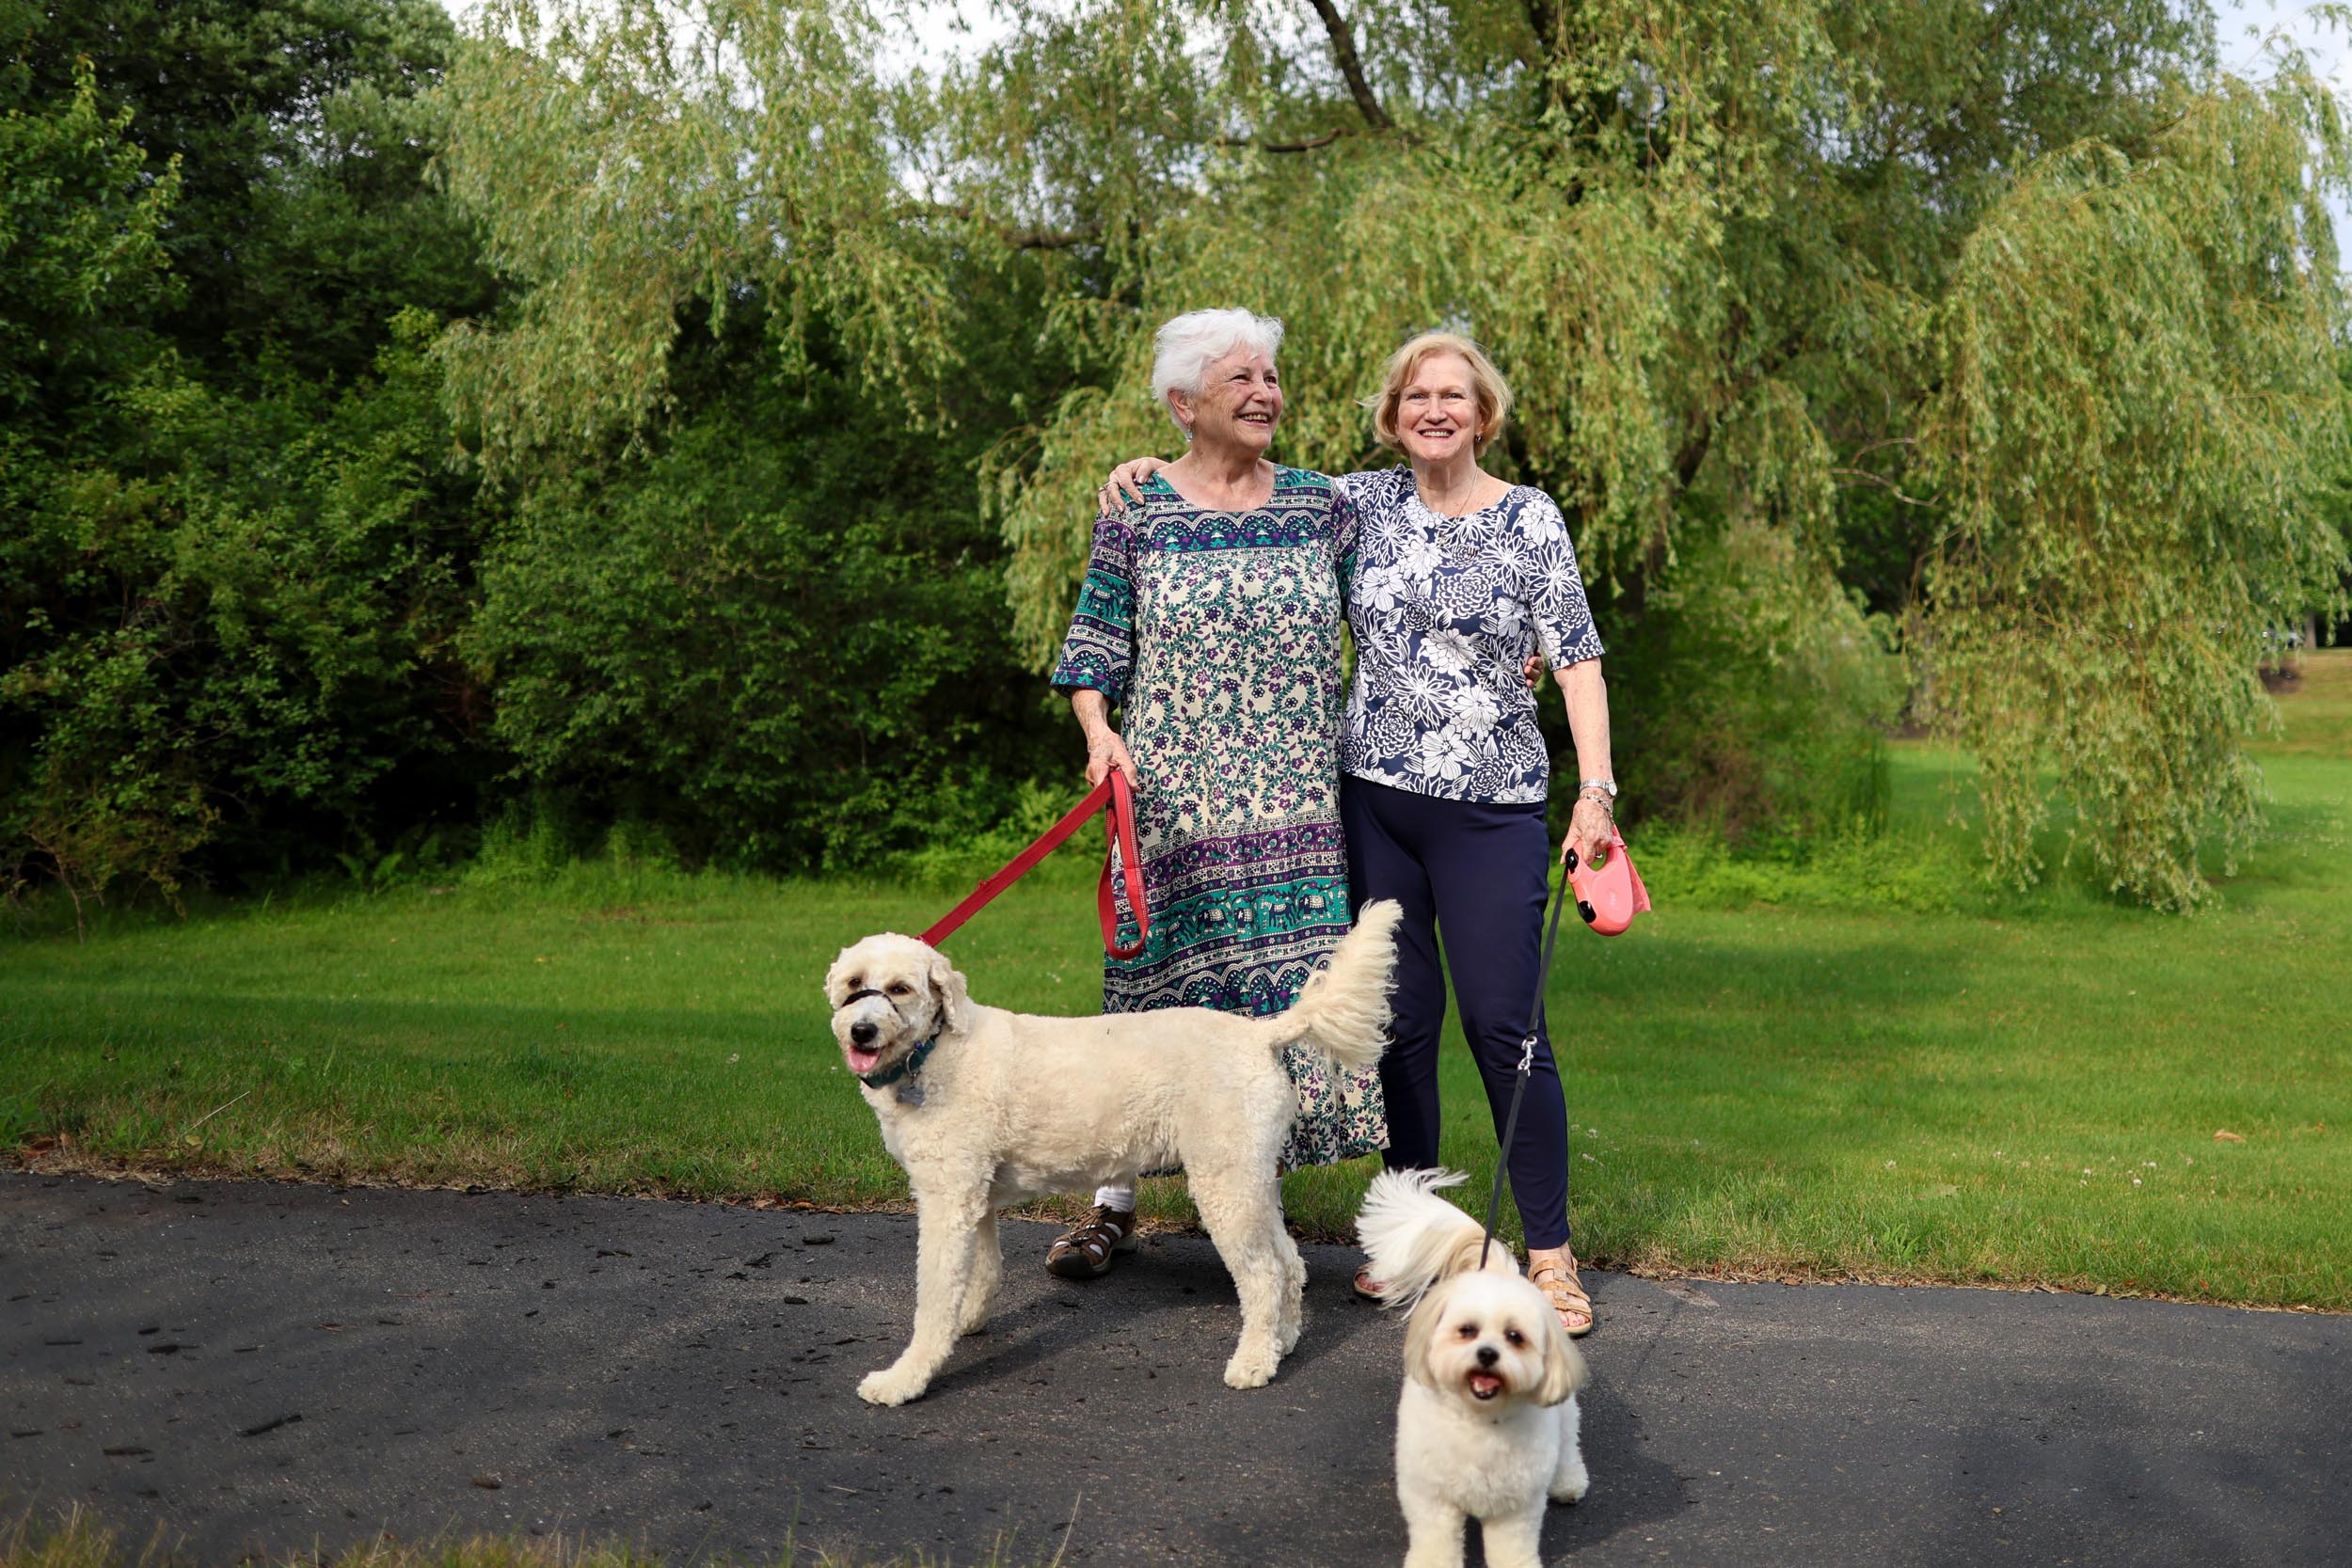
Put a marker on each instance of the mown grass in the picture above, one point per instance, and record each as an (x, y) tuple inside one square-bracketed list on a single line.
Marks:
[(75, 1538), (1870, 1064)]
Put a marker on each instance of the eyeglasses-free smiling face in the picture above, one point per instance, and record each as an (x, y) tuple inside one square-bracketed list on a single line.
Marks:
[(1239, 403), (1438, 417)]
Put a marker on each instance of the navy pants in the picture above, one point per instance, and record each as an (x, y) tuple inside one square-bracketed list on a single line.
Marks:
[(1478, 870)]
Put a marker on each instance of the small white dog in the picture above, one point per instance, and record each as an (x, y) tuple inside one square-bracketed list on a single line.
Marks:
[(1488, 1425), (986, 1108)]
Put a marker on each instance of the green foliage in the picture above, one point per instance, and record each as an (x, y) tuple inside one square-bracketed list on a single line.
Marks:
[(645, 154), (1754, 695), (234, 551), (253, 625), (762, 637), (80, 259), (260, 616), (2016, 328), (1733, 258), (2141, 423), (302, 224)]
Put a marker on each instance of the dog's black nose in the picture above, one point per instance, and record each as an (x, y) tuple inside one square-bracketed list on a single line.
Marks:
[(862, 1033), (1489, 1356)]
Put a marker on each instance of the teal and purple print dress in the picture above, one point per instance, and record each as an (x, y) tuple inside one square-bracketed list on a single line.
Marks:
[(1217, 636)]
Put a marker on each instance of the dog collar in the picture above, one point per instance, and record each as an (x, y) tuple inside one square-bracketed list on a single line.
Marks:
[(904, 1067)]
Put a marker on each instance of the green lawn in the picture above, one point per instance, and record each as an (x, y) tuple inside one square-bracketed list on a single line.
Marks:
[(1890, 1072)]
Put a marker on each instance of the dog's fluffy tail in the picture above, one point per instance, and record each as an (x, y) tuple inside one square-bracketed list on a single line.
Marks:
[(1342, 1011), (1415, 1238)]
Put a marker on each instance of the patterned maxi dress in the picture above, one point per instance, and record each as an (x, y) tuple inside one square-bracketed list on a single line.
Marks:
[(1218, 635)]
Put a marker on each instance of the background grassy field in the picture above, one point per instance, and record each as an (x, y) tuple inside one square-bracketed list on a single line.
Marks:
[(1870, 1064)]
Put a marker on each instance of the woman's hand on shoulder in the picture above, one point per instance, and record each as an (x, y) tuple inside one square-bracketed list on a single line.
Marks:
[(1126, 483)]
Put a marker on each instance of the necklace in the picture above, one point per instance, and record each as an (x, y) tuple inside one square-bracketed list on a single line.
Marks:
[(1451, 532), (1456, 506)]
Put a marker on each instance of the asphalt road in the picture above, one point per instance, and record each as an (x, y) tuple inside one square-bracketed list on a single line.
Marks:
[(273, 1368)]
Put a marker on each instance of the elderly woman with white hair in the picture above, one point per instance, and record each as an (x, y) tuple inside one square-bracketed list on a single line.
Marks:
[(1459, 579), (1210, 618)]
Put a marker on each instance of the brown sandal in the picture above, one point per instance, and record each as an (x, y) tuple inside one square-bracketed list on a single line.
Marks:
[(1560, 1286), (1086, 1251)]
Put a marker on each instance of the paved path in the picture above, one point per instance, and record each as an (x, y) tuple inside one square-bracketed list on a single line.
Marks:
[(280, 1367)]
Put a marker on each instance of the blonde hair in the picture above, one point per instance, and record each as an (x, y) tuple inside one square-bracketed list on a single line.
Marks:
[(1486, 384)]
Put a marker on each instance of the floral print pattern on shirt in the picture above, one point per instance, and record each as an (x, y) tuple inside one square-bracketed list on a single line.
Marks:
[(1216, 635), (1445, 611)]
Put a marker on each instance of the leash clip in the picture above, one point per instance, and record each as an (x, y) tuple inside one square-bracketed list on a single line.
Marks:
[(1527, 1055)]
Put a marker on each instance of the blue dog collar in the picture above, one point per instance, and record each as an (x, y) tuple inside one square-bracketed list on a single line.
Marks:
[(904, 1067)]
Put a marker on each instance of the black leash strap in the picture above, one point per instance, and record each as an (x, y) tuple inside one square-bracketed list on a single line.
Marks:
[(1526, 1063)]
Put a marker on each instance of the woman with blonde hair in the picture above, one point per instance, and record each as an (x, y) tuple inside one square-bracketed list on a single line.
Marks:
[(1459, 578)]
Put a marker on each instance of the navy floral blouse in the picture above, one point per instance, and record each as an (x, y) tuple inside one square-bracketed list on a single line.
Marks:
[(1445, 611)]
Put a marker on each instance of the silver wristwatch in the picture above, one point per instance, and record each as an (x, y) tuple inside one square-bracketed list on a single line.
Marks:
[(1607, 786)]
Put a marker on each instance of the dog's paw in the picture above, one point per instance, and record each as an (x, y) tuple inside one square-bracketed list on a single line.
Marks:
[(1250, 1371), (1571, 1487), (890, 1387)]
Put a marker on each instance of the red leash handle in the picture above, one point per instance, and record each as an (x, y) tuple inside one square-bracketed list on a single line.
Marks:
[(1119, 829), (1111, 794)]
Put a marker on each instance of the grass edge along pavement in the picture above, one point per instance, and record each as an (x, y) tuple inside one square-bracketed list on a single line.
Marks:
[(1862, 1064), (73, 1537)]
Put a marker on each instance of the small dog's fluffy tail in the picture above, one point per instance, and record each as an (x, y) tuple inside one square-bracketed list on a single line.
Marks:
[(1343, 1010), (1415, 1238)]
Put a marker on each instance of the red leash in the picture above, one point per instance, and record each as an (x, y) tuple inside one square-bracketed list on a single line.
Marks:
[(1111, 793)]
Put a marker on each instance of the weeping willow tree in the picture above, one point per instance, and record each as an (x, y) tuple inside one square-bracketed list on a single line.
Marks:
[(2037, 277)]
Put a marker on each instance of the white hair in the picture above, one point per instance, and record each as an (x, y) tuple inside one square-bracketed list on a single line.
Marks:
[(1188, 345)]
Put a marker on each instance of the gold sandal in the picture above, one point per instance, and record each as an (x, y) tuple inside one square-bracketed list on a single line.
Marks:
[(1560, 1286), (1086, 1251)]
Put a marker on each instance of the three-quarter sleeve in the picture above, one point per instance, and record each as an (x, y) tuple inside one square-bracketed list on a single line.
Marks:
[(1345, 520), (1553, 588), (1100, 651)]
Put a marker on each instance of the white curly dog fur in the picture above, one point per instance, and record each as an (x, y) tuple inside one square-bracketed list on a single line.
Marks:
[(1009, 1107), (1488, 1425)]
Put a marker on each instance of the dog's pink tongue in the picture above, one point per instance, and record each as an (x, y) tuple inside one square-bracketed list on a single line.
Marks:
[(1485, 1383)]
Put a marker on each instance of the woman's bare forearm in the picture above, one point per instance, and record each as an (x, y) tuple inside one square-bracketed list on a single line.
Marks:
[(1092, 708), (1104, 749), (1587, 696)]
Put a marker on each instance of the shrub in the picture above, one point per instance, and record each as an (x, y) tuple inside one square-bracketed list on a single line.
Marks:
[(779, 636)]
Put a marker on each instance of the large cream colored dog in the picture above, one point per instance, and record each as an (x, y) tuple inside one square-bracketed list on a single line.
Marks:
[(986, 1108)]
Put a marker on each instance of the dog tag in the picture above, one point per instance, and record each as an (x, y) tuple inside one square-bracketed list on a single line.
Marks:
[(910, 1093)]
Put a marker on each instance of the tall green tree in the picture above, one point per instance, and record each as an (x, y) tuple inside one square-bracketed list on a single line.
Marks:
[(232, 550), (772, 637), (1995, 268), (82, 273), (302, 223)]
